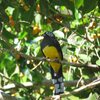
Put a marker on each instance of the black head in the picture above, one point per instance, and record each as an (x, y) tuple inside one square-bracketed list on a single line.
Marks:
[(49, 34)]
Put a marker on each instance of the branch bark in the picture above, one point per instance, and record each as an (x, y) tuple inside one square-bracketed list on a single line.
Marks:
[(85, 84), (45, 82), (4, 96)]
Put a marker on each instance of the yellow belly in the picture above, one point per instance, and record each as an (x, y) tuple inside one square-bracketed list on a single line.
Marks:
[(52, 53)]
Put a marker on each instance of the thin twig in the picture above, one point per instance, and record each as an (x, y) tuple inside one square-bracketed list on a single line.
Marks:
[(35, 66)]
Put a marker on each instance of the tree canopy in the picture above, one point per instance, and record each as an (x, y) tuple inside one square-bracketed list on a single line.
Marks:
[(24, 72)]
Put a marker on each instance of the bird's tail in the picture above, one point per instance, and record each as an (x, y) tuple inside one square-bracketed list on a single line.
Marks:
[(57, 79)]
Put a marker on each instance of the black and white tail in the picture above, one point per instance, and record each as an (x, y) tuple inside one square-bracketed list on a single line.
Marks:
[(57, 79)]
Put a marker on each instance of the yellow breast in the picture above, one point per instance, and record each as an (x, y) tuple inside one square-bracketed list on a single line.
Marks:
[(52, 53)]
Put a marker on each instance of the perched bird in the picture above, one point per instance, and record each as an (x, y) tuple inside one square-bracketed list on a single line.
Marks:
[(52, 50)]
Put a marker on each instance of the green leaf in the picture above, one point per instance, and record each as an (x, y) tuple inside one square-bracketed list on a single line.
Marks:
[(8, 34), (78, 3), (22, 35), (94, 58), (68, 76), (72, 39), (9, 65), (77, 14), (36, 51), (16, 77), (17, 70), (38, 18), (26, 15), (16, 14), (0, 1), (28, 74), (81, 29), (37, 39), (63, 7), (63, 10), (92, 96), (5, 73), (98, 62), (4, 45), (37, 77), (84, 57), (59, 34), (9, 10), (72, 97), (89, 5), (74, 23)]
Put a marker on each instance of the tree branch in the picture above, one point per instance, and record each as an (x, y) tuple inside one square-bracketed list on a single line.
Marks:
[(13, 51), (91, 66), (4, 96), (75, 91), (45, 82), (89, 83)]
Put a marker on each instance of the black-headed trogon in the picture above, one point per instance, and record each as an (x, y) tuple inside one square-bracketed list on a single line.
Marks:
[(52, 50)]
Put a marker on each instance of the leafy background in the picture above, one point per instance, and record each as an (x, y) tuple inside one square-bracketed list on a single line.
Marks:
[(76, 24)]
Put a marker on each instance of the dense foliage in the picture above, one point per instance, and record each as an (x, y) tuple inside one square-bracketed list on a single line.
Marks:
[(75, 23)]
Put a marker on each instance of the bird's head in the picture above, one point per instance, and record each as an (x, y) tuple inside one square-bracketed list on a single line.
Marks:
[(49, 34)]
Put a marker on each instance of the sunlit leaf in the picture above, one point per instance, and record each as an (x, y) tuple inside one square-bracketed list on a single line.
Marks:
[(84, 57), (0, 1), (38, 18), (98, 62), (37, 39), (92, 96), (77, 14), (9, 10), (59, 34), (22, 35)]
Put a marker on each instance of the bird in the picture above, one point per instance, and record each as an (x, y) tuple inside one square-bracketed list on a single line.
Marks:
[(51, 49)]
